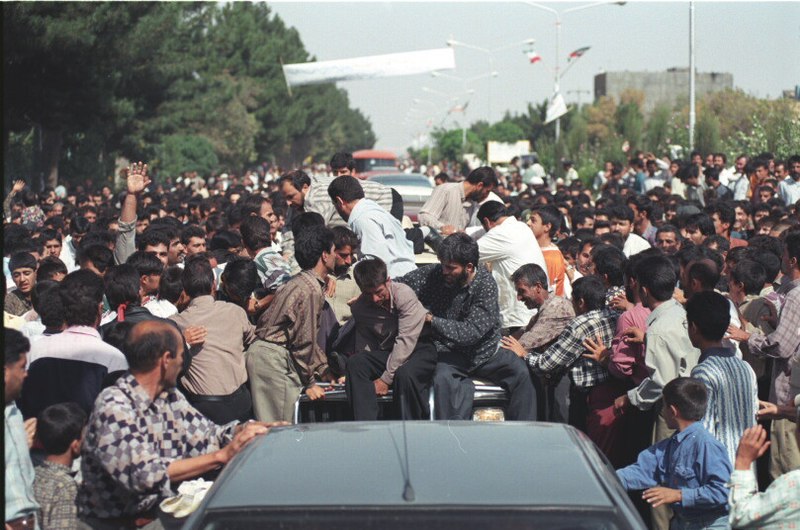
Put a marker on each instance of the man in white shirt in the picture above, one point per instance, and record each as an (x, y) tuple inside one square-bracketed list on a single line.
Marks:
[(508, 245), (738, 181), (622, 223), (380, 234)]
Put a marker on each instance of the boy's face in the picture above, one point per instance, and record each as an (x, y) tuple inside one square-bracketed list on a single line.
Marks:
[(536, 225), (24, 278)]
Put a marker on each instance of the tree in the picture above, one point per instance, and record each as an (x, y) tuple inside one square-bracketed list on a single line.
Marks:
[(181, 153)]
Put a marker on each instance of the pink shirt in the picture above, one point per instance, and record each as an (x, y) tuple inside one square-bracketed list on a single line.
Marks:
[(627, 360)]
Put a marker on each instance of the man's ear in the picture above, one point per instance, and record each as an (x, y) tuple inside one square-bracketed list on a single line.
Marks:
[(675, 412), (75, 447)]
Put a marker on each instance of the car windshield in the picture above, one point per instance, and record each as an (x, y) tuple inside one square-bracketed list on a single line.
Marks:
[(370, 164), (558, 518), (402, 180)]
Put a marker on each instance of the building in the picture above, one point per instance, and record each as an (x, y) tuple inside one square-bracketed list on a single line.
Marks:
[(670, 87)]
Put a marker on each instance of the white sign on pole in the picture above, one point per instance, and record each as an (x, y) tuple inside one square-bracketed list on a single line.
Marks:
[(556, 108)]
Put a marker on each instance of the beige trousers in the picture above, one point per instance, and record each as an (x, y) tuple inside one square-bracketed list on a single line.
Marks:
[(661, 516), (784, 455), (274, 383)]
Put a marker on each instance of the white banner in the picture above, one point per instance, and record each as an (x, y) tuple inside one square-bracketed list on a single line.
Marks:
[(556, 108), (372, 67), (502, 153)]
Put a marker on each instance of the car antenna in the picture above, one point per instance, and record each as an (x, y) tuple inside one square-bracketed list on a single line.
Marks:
[(408, 489)]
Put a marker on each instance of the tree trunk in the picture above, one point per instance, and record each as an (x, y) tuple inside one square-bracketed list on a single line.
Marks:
[(52, 142)]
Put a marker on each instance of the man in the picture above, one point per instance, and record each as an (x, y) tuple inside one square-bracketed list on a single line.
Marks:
[(452, 205), (215, 381), (150, 268), (156, 242), (583, 261), (621, 218), (726, 174), (306, 195), (698, 227), (781, 345), (507, 245), (738, 182), (23, 271), (343, 164), (345, 244), (157, 438), (731, 382), (273, 270), (72, 365), (379, 233), (716, 189), (78, 227), (553, 314), (789, 187), (668, 239), (287, 360), (52, 243), (642, 210), (461, 297), (21, 506), (723, 215), (137, 181), (194, 239), (393, 350), (545, 222)]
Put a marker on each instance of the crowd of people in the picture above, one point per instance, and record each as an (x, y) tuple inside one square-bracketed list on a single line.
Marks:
[(151, 334)]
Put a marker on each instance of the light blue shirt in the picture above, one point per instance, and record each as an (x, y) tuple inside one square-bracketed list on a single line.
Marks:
[(692, 461), (789, 190), (19, 468), (382, 236)]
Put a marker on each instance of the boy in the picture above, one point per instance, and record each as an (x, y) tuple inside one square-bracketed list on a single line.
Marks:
[(689, 470), (23, 271), (60, 430)]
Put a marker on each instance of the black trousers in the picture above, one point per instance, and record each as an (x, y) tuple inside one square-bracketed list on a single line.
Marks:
[(224, 409), (410, 388), (454, 390)]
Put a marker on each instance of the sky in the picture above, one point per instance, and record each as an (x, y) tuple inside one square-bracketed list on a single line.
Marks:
[(757, 42)]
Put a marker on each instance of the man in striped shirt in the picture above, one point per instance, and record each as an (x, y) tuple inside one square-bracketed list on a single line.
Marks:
[(452, 204), (730, 381)]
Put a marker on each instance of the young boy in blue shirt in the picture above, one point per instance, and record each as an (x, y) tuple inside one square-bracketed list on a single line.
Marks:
[(687, 471)]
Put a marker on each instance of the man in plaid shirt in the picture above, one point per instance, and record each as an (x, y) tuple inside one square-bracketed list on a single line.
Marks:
[(568, 354)]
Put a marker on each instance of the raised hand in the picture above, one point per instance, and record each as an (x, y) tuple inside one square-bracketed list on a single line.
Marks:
[(138, 179), (752, 445), (18, 186)]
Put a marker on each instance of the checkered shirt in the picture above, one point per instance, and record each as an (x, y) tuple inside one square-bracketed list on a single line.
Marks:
[(130, 441), (565, 354)]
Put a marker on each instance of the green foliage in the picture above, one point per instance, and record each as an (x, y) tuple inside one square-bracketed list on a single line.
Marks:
[(706, 133), (504, 131), (179, 153)]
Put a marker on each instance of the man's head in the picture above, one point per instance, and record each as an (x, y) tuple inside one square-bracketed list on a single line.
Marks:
[(700, 275), (790, 261), (197, 277), (295, 186), (194, 239), (345, 192), (544, 221), (458, 254), (621, 218), (345, 243), (314, 246), (82, 297), (609, 265), (588, 294), (656, 278), (685, 398), (149, 267), (343, 164), (155, 347), (122, 288), (668, 239), (698, 227), (17, 347), (78, 227), (479, 183), (52, 243), (51, 268), (256, 234), (59, 428), (373, 280), (708, 316), (23, 271), (492, 214), (747, 277), (720, 161), (583, 261), (530, 282)]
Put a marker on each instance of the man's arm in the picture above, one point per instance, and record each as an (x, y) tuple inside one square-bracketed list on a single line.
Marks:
[(482, 316), (561, 354), (493, 246), (549, 325), (644, 473), (411, 320), (663, 368), (137, 181), (432, 210), (784, 341)]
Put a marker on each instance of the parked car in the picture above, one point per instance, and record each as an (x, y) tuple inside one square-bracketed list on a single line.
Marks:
[(399, 475), (414, 188)]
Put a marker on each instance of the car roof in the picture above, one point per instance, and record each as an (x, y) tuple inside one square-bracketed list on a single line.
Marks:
[(449, 463)]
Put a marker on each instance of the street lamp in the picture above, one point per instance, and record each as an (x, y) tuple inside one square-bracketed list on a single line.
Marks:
[(557, 75), (490, 52)]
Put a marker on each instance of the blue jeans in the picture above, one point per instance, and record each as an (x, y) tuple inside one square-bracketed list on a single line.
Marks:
[(714, 521)]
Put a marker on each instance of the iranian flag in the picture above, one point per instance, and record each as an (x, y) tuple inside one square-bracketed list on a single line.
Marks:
[(578, 53), (533, 57)]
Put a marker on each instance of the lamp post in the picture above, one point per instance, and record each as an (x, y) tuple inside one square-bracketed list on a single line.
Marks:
[(692, 94), (557, 74), (490, 52)]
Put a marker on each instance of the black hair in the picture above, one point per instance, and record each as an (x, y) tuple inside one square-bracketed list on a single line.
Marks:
[(751, 275), (310, 244), (550, 216), (47, 303), (345, 187), (591, 290), (58, 426), (710, 312), (770, 262), (668, 228), (81, 295), (225, 240), (22, 260), (197, 277), (342, 160), (297, 178), (251, 205), (688, 395), (483, 175), (530, 274), (621, 213), (723, 244), (16, 345), (192, 231), (239, 280), (459, 248), (99, 255), (343, 237), (725, 210), (122, 285), (613, 239), (79, 225), (143, 349), (702, 222), (492, 210), (304, 221), (657, 274), (152, 237), (170, 286), (570, 246), (145, 263), (704, 272), (49, 267), (49, 234), (609, 262), (370, 273), (792, 243), (255, 232), (642, 203)]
